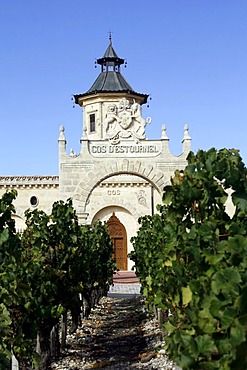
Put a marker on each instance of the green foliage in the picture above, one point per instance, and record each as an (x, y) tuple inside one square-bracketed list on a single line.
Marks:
[(100, 265), (13, 288), (191, 258), (51, 243), (64, 259), (5, 334), (42, 274)]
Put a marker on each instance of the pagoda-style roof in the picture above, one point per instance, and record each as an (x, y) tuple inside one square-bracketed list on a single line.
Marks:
[(110, 79)]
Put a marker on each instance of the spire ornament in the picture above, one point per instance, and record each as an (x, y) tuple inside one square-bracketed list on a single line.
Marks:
[(61, 135), (186, 139), (164, 134), (186, 132), (110, 37)]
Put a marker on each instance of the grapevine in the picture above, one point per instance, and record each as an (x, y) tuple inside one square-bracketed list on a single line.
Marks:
[(191, 258)]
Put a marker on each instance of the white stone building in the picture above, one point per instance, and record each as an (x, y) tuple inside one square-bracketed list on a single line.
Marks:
[(118, 175)]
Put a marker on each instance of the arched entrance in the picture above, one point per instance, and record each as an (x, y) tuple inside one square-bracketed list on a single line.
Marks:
[(118, 235)]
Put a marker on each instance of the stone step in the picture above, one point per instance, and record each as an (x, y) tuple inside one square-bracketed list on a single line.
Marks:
[(125, 277)]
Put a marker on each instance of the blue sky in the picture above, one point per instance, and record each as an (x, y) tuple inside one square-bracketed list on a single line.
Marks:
[(190, 55)]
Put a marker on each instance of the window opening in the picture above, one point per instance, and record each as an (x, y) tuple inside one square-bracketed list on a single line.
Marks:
[(92, 122), (34, 201)]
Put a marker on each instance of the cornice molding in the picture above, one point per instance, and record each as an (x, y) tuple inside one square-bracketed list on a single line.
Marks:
[(124, 184), (29, 181)]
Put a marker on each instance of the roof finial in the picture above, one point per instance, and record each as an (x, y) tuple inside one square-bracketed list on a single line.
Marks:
[(110, 37)]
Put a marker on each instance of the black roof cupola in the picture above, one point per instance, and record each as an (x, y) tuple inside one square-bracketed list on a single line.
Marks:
[(110, 79), (110, 61)]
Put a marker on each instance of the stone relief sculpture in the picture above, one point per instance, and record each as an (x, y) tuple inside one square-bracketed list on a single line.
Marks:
[(111, 118), (141, 197), (125, 121)]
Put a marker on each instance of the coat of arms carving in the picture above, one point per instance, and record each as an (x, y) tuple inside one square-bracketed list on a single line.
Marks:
[(125, 121)]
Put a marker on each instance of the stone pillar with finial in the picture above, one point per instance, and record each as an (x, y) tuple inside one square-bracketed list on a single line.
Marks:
[(84, 134), (186, 140), (62, 144), (83, 141), (164, 139), (62, 140)]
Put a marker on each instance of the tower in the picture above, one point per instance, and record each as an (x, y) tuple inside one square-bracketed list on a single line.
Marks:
[(111, 100), (118, 175)]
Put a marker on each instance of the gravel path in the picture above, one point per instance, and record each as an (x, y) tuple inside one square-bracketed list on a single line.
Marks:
[(119, 335)]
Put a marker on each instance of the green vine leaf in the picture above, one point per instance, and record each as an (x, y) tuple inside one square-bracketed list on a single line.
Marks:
[(191, 259), (186, 295)]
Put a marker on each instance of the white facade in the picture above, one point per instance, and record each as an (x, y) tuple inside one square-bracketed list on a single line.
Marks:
[(117, 172)]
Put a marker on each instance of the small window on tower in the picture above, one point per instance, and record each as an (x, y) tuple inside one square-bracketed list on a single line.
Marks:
[(92, 122)]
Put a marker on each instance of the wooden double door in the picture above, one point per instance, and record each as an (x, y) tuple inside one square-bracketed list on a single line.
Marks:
[(118, 235)]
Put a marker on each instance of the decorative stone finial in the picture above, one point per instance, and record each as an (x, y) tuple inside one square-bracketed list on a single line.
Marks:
[(186, 132), (186, 139), (84, 133), (164, 135), (72, 153), (61, 135)]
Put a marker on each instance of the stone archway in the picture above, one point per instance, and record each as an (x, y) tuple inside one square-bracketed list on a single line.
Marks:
[(103, 171), (118, 235)]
